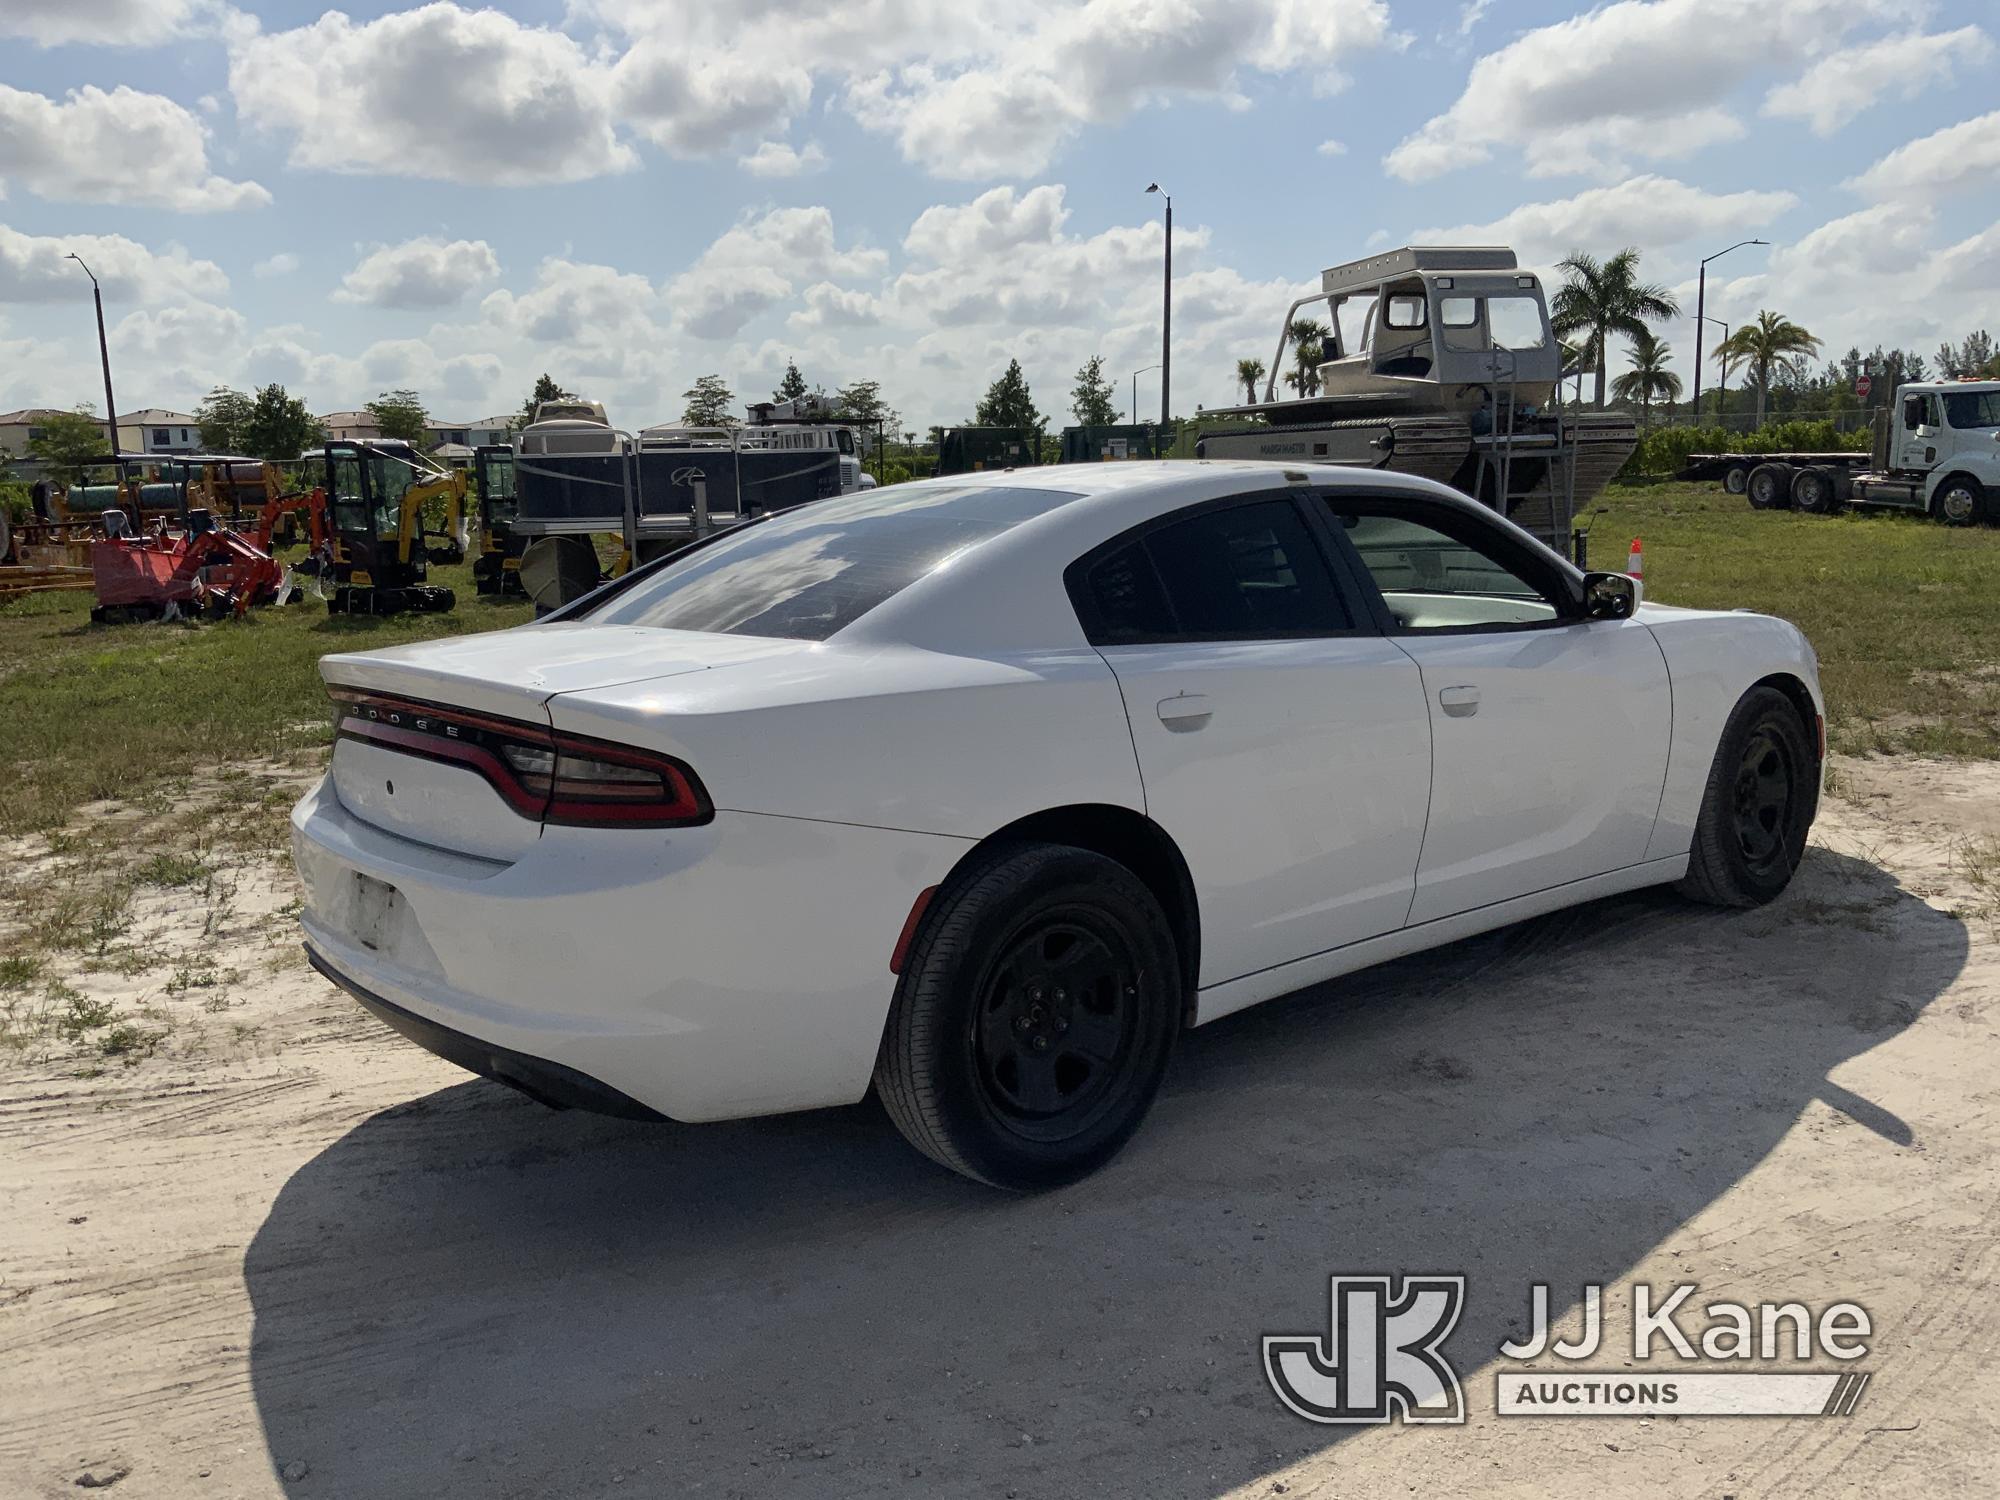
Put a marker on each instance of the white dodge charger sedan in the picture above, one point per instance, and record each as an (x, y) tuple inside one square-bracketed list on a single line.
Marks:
[(979, 790)]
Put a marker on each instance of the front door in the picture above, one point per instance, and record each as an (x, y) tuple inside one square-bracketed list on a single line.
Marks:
[(1548, 732), (1282, 741)]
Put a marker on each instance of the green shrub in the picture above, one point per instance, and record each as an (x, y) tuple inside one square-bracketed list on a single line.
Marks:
[(1665, 450)]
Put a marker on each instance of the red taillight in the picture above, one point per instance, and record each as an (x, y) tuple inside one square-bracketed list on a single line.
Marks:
[(540, 773)]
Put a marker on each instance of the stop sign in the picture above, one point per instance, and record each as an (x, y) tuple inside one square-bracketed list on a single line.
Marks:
[(1862, 386)]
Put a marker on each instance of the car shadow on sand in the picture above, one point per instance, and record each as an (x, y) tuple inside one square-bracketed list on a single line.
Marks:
[(468, 1294)]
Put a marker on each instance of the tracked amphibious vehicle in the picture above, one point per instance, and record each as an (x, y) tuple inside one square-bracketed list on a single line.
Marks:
[(1439, 361)]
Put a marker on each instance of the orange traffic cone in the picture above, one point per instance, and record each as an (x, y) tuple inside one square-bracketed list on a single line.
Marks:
[(1635, 566)]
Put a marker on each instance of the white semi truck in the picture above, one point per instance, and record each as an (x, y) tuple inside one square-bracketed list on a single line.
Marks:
[(1936, 450)]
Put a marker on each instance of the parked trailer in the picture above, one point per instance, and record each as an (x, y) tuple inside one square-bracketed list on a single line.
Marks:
[(1936, 451)]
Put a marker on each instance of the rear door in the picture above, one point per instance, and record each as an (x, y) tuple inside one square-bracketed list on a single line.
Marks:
[(1548, 732), (1282, 741)]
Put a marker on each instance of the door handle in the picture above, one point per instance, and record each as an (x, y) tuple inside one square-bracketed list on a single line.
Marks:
[(1185, 711), (1459, 702)]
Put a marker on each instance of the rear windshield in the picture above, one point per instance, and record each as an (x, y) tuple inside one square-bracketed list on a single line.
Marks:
[(815, 570)]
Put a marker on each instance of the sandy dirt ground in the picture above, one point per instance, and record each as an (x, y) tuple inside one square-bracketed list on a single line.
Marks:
[(304, 1258)]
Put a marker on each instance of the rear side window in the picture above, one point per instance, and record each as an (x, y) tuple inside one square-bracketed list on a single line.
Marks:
[(809, 572), (1246, 572)]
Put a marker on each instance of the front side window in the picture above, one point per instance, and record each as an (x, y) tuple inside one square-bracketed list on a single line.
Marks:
[(350, 509), (1516, 323), (806, 573), (1404, 310), (1244, 572), (1442, 576)]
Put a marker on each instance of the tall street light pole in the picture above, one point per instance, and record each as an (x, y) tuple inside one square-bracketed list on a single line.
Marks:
[(1701, 309), (105, 357), (1166, 314), (1135, 388), (1722, 386)]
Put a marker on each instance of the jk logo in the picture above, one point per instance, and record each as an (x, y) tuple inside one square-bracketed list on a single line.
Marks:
[(1379, 1358)]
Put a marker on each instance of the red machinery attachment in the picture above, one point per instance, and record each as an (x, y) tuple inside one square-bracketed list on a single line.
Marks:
[(207, 569)]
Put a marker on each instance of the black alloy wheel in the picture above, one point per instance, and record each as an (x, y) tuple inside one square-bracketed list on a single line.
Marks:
[(1035, 1013), (1765, 790), (1056, 1020)]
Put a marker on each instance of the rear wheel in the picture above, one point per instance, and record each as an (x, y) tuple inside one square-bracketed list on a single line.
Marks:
[(1763, 789), (1815, 492), (1769, 487), (1736, 478), (1960, 501), (1036, 1012)]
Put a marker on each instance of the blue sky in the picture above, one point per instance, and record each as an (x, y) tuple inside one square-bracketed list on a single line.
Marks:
[(629, 195)]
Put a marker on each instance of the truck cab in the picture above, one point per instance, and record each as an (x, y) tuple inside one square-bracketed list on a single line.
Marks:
[(1937, 449)]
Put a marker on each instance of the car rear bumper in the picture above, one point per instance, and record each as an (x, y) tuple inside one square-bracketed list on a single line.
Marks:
[(737, 968), (541, 1080)]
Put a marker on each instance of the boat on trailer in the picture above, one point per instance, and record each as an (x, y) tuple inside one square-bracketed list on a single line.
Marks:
[(665, 486), (1439, 361)]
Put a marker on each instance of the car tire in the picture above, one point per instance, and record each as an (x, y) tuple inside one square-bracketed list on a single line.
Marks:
[(1736, 478), (1037, 1008), (1758, 806), (1815, 491), (1769, 487), (1960, 501)]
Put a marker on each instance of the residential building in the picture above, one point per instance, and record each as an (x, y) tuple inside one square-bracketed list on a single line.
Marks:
[(155, 430), (351, 426), (491, 431), (439, 433), (18, 428)]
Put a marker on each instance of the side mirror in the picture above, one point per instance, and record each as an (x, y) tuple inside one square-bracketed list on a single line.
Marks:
[(1609, 596)]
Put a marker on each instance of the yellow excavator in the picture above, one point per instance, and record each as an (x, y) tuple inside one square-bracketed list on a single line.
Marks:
[(381, 499)]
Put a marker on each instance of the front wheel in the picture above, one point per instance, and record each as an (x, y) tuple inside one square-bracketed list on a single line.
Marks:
[(1037, 1008), (1762, 792), (1960, 501), (1736, 478)]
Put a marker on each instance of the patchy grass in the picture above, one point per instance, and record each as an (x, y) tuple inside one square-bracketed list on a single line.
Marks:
[(1905, 613), (123, 711), (172, 869)]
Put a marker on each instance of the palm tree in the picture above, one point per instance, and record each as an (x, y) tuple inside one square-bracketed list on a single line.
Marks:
[(1308, 337), (1649, 379), (1305, 378), (1602, 298), (1248, 373), (1771, 341)]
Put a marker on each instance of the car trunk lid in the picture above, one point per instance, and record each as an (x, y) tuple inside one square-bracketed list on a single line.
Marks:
[(427, 724)]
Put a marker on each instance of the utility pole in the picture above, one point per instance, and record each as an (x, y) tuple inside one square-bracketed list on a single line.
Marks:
[(104, 355), (1166, 315), (1701, 307), (1722, 387), (1147, 370)]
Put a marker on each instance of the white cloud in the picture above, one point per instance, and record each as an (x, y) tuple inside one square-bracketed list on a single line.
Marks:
[(1655, 213), (121, 147), (1332, 148), (830, 306), (753, 267), (116, 23), (1098, 63), (1648, 79), (423, 272), (281, 264), (1842, 84), (574, 302), (697, 101), (35, 268), (778, 159), (1960, 158), (434, 92)]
